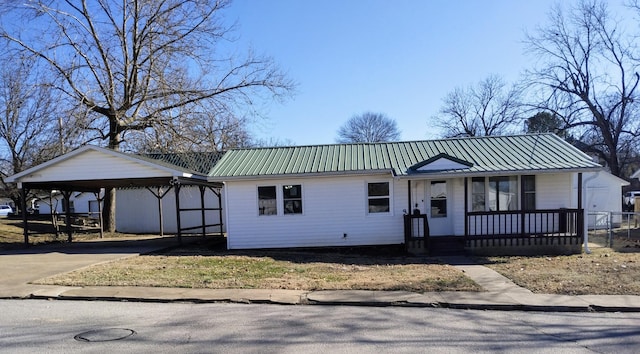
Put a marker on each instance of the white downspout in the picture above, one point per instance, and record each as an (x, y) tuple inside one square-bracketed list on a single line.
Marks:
[(586, 208)]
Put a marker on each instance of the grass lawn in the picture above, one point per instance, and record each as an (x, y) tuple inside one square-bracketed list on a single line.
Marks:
[(605, 271), (200, 267)]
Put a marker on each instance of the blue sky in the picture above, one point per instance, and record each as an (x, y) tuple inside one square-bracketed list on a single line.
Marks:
[(395, 57)]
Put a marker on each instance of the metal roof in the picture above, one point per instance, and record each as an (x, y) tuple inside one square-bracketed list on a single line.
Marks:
[(200, 162), (496, 154)]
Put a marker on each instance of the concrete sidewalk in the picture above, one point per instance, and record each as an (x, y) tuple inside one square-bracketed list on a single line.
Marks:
[(20, 268)]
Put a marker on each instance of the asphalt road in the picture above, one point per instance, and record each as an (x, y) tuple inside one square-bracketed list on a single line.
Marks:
[(28, 326)]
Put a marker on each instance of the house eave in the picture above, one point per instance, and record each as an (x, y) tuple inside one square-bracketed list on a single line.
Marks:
[(303, 175), (450, 174)]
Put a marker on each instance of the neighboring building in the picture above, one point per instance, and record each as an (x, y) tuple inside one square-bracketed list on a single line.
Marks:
[(603, 197), (505, 190)]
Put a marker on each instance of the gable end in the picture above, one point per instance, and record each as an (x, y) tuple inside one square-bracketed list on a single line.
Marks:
[(440, 162)]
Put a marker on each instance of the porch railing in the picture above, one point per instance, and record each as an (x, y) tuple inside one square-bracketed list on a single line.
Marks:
[(563, 224)]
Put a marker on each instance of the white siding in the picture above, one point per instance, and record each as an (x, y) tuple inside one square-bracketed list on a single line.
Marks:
[(80, 203), (457, 209), (89, 164), (332, 207), (603, 194), (553, 191), (137, 211)]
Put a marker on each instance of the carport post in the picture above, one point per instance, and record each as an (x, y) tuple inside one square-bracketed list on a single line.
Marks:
[(202, 213), (25, 225), (67, 215), (176, 187)]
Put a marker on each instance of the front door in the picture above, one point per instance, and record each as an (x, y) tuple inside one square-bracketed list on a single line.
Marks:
[(438, 207)]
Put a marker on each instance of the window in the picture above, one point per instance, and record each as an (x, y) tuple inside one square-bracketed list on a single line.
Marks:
[(502, 193), (477, 194), (267, 201), (438, 199), (378, 197), (528, 192), (292, 199)]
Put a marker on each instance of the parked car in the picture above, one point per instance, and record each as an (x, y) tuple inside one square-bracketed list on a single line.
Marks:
[(630, 200), (5, 210)]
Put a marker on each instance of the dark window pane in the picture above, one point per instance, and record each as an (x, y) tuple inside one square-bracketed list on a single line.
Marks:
[(267, 192), (528, 183), (267, 200), (378, 189), (293, 191), (438, 208), (293, 207), (379, 205), (529, 192)]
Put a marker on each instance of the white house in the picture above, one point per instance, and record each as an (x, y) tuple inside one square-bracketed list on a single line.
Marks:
[(506, 191), (482, 193)]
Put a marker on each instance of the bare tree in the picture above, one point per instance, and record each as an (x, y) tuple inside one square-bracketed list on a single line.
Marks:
[(29, 132), (368, 127), (587, 75), (488, 108), (195, 132), (134, 63)]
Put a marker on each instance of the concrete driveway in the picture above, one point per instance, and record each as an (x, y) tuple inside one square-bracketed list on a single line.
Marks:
[(18, 268)]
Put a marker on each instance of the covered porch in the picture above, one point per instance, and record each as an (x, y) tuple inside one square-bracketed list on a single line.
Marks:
[(522, 230)]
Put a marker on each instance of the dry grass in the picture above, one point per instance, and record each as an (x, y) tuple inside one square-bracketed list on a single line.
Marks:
[(11, 233), (606, 271), (200, 268)]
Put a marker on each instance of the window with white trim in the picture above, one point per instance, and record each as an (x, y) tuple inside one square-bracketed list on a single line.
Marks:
[(503, 193), (292, 199), (378, 197), (267, 200), (500, 193), (438, 199), (528, 183)]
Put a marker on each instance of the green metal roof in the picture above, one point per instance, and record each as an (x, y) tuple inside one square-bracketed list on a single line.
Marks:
[(200, 162), (518, 153)]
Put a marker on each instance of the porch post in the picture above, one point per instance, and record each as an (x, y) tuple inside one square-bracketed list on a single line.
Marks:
[(581, 223), (466, 206), (409, 196), (579, 190)]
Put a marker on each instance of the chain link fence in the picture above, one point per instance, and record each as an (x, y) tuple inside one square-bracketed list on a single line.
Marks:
[(614, 225)]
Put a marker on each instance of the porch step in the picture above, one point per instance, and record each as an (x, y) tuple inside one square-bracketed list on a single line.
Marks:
[(446, 246)]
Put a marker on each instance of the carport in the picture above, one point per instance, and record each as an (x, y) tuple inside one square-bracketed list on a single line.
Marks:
[(91, 169)]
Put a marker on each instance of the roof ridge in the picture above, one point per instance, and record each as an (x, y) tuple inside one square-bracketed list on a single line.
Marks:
[(393, 142)]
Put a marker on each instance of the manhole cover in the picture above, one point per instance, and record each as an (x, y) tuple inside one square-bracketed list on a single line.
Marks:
[(104, 335)]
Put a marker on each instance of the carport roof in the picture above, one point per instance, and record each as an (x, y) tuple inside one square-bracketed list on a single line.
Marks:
[(91, 167)]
